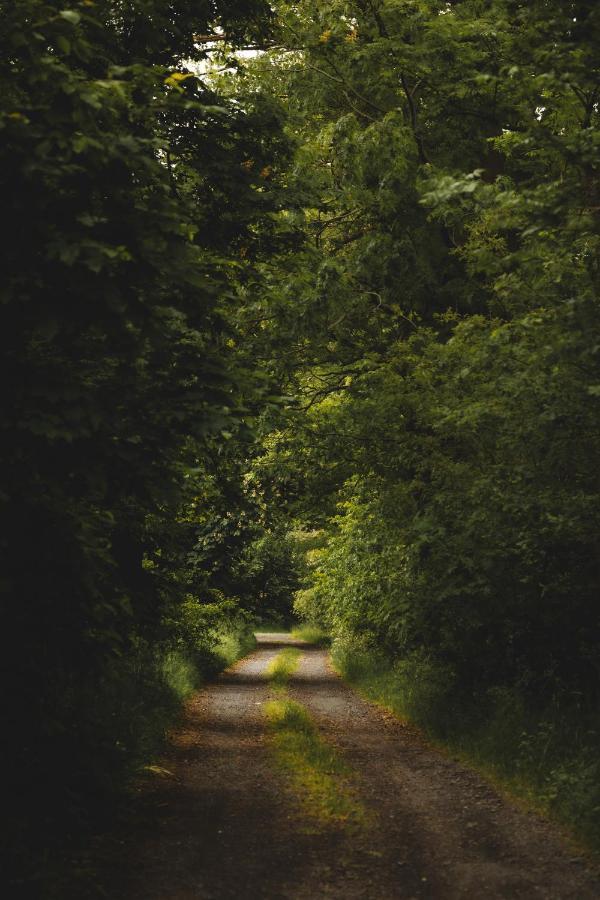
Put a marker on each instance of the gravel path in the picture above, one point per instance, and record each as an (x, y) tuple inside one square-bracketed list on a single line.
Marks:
[(225, 823)]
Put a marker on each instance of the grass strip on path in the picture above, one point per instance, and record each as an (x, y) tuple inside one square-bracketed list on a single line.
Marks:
[(282, 666), (318, 775)]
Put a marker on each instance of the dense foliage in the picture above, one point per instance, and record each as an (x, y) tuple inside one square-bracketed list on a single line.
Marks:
[(443, 342), (452, 388), (325, 312), (133, 222)]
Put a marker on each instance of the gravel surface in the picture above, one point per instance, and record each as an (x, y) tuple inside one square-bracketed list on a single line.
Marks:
[(222, 822)]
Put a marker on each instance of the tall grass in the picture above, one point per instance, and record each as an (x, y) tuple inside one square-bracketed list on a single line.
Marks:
[(183, 671), (546, 753), (312, 634), (123, 721), (141, 695)]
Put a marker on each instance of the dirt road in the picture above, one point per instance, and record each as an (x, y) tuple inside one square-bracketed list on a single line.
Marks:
[(224, 822)]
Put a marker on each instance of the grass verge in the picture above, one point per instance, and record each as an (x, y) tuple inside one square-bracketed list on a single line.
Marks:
[(272, 627), (312, 634), (548, 757), (123, 721), (318, 775)]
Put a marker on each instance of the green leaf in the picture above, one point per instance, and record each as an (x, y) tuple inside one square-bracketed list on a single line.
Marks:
[(71, 16)]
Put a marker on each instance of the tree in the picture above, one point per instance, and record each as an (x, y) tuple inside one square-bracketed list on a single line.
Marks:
[(128, 200), (443, 342)]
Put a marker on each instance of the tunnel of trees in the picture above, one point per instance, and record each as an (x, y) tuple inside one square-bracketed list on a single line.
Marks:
[(299, 310)]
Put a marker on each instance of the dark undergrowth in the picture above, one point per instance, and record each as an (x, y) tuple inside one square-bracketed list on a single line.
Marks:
[(81, 787), (545, 752)]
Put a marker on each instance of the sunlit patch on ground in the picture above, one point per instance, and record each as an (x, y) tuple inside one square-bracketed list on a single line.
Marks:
[(319, 776)]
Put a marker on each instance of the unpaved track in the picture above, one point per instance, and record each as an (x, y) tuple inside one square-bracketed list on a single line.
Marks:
[(226, 824)]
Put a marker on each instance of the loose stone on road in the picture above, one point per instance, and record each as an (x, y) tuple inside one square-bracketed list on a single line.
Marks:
[(226, 822)]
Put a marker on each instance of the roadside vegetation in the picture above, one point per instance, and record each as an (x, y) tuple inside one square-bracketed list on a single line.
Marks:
[(312, 634), (142, 695), (547, 757)]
